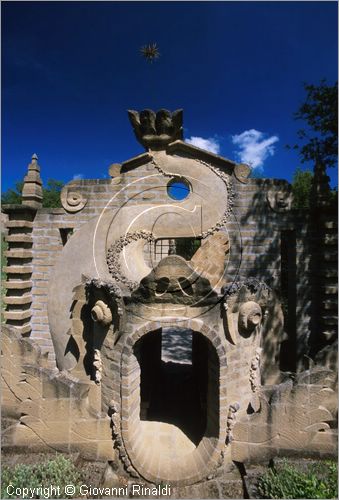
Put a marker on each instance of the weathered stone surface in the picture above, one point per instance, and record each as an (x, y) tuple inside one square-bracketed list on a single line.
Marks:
[(94, 284)]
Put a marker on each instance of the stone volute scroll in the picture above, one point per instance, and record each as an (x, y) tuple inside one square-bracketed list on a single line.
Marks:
[(101, 313), (72, 199)]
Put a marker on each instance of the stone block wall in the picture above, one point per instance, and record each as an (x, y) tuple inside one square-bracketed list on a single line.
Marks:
[(255, 231)]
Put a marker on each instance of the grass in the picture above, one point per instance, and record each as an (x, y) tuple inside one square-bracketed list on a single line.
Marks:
[(318, 480), (39, 478)]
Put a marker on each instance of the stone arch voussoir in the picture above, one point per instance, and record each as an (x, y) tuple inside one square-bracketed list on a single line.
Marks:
[(207, 455)]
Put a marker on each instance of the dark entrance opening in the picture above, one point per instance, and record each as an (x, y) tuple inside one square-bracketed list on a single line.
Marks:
[(174, 379)]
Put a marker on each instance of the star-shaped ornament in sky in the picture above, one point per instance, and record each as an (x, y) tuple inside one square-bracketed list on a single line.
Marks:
[(150, 52)]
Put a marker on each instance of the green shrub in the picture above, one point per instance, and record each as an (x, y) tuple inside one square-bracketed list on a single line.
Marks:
[(286, 481), (57, 472)]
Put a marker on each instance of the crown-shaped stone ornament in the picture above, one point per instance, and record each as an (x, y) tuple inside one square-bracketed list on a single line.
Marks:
[(156, 130)]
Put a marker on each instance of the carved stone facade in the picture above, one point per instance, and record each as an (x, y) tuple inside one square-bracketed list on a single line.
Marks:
[(83, 282)]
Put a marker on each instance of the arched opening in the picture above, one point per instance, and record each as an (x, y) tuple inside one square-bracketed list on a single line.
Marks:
[(179, 384), (164, 368)]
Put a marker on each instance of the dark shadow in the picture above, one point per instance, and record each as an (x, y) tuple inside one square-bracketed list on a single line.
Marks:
[(288, 251), (186, 286), (73, 348), (175, 400), (174, 391), (255, 234)]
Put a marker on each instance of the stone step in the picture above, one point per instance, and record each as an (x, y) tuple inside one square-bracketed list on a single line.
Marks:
[(18, 269), (24, 329), (330, 333), (330, 289), (330, 304), (328, 273), (19, 253), (19, 223), (24, 299), (17, 284), (329, 320), (330, 224), (19, 238), (330, 255), (330, 239), (17, 315)]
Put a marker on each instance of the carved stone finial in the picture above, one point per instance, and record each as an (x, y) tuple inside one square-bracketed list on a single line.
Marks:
[(32, 188), (156, 130)]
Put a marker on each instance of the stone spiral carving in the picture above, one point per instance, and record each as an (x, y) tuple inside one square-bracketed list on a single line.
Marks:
[(101, 313), (72, 200), (250, 316)]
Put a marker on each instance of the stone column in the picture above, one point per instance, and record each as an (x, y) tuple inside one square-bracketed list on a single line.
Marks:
[(19, 255)]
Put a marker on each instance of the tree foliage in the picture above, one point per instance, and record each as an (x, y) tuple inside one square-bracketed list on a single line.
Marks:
[(51, 194), (301, 188), (319, 139), (13, 195)]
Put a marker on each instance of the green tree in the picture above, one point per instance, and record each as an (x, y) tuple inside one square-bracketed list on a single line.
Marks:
[(301, 188), (12, 196), (319, 138), (51, 194)]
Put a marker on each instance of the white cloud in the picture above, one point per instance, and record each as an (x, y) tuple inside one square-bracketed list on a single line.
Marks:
[(210, 144), (77, 177), (253, 148)]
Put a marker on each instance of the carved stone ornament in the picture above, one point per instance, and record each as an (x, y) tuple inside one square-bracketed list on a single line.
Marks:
[(72, 200), (97, 363), (242, 172), (114, 170), (231, 421), (255, 379), (230, 195), (101, 313), (279, 201), (156, 130), (115, 419), (114, 254), (250, 316), (243, 321)]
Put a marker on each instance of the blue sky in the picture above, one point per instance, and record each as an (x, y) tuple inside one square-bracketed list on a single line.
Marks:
[(70, 71)]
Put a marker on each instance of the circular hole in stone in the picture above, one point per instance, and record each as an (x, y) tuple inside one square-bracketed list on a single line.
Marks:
[(178, 188)]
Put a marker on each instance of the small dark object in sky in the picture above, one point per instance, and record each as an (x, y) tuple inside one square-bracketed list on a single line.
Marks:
[(150, 52)]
